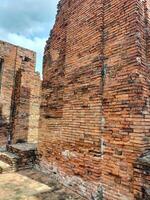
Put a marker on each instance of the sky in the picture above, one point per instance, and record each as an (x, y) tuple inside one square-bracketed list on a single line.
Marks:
[(27, 23)]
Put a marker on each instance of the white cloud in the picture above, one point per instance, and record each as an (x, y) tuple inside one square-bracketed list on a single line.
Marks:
[(27, 16), (27, 23), (36, 44)]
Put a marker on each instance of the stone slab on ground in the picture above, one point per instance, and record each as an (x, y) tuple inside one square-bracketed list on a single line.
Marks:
[(33, 185)]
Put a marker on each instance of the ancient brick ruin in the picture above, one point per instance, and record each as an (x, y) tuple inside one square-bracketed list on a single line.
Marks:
[(93, 125), (19, 95), (95, 111)]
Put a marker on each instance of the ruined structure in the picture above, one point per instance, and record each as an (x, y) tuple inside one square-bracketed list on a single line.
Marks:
[(95, 111), (19, 95)]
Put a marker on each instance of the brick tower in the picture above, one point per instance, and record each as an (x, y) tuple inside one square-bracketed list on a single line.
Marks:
[(95, 111)]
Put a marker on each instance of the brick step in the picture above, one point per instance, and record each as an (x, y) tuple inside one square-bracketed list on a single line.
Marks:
[(22, 148), (5, 168), (18, 156), (10, 159), (26, 153)]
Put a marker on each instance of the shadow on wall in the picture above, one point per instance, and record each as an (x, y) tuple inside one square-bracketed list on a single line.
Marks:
[(22, 130), (16, 127), (4, 126), (20, 110)]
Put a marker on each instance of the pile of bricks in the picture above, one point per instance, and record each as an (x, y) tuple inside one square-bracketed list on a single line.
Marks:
[(95, 110)]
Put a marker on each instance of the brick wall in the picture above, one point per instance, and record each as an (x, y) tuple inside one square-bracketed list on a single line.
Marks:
[(20, 94), (94, 120), (142, 176)]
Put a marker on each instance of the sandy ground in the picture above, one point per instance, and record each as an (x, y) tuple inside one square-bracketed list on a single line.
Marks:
[(33, 185)]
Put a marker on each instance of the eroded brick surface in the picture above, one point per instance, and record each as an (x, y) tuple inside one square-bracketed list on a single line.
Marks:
[(19, 94), (94, 121), (142, 176)]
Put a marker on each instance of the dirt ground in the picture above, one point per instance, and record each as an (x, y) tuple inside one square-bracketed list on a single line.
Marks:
[(33, 185)]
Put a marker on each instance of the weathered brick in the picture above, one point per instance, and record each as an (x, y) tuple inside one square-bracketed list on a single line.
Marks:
[(19, 94), (95, 95)]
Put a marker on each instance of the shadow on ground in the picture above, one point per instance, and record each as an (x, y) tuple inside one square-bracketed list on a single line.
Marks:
[(33, 185)]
